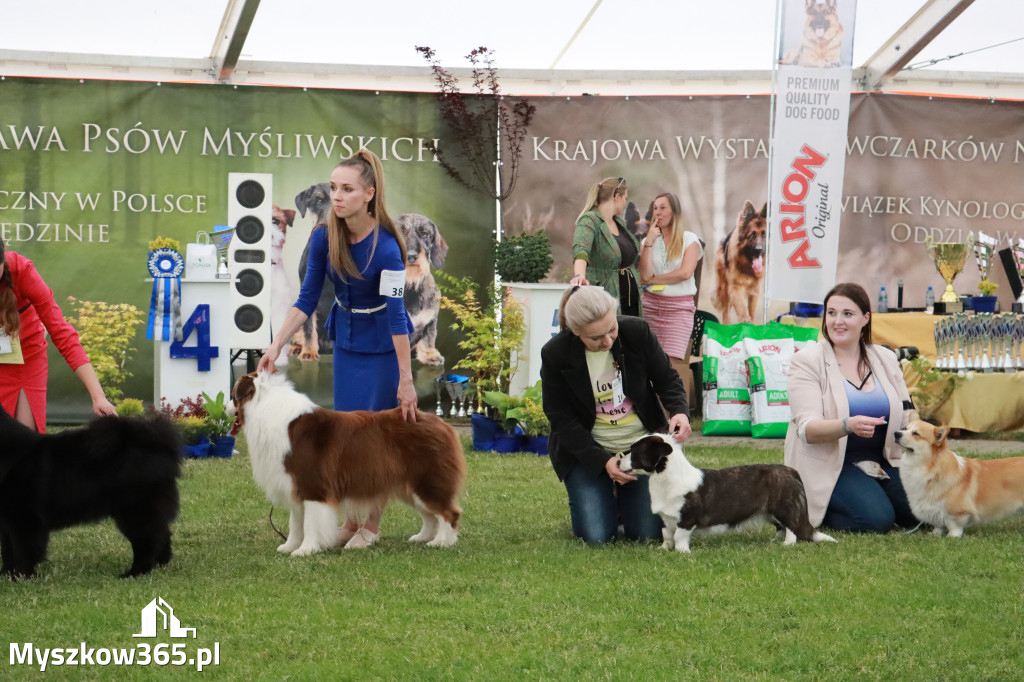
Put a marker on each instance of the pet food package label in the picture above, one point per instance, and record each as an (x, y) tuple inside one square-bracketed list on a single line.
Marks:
[(769, 350), (392, 283), (802, 336), (200, 261), (726, 390)]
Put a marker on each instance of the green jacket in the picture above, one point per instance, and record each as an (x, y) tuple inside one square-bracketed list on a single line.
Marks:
[(595, 244)]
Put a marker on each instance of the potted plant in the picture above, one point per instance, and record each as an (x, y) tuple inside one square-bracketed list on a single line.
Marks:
[(986, 303), (196, 433), (488, 342), (222, 443), (190, 416), (509, 437), (525, 258), (535, 423)]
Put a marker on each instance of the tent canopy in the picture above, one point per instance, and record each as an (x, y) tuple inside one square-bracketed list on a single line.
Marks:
[(540, 47)]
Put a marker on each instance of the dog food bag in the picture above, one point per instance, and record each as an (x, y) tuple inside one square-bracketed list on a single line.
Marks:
[(769, 350), (726, 391)]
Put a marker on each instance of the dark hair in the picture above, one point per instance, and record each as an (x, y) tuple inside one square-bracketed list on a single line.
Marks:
[(10, 321), (855, 293)]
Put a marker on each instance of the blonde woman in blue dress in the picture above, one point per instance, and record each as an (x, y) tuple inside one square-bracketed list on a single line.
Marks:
[(363, 254)]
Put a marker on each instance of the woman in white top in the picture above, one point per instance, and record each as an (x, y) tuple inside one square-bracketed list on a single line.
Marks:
[(668, 260)]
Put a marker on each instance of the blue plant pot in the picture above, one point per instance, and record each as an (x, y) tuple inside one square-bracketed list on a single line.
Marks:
[(199, 450), (984, 304), (508, 442), (222, 446), (537, 445), (484, 431)]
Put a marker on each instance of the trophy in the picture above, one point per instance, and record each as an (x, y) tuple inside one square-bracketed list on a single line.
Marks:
[(221, 237), (949, 259), (1018, 260), (1018, 343), (456, 386), (986, 336), (437, 391), (960, 334), (939, 332), (945, 342), (1006, 342), (984, 247)]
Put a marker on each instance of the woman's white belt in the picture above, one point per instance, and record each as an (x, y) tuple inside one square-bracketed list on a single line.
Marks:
[(362, 311)]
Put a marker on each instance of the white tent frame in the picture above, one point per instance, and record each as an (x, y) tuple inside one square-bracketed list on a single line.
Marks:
[(883, 72)]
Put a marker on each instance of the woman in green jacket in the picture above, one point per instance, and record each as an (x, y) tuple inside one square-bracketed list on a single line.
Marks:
[(604, 252)]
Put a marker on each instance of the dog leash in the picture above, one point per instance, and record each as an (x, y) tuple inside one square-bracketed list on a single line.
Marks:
[(271, 517), (914, 529)]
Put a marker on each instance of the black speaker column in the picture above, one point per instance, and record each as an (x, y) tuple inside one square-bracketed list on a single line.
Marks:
[(249, 212)]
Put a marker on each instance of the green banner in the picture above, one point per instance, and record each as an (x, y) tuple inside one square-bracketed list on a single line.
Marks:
[(91, 171)]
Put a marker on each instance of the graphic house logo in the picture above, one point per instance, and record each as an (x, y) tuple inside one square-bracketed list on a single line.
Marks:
[(158, 611)]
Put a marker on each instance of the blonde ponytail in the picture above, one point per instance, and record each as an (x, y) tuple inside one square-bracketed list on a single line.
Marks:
[(371, 175), (601, 192)]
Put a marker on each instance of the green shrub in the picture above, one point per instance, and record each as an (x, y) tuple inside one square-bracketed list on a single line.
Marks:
[(194, 429), (526, 258), (488, 343), (130, 407), (107, 331)]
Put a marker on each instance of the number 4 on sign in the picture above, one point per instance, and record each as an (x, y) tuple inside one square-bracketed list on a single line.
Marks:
[(202, 351)]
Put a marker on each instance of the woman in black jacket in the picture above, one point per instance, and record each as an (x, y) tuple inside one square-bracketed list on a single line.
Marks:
[(607, 383)]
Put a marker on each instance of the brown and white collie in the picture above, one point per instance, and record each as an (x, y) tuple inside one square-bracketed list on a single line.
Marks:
[(320, 462), (951, 492)]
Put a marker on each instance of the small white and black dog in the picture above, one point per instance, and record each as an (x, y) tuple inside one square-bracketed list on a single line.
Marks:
[(689, 499)]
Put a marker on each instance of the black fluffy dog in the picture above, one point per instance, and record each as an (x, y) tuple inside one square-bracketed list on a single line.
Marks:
[(124, 468)]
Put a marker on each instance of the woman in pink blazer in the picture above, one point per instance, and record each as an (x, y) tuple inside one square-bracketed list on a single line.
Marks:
[(848, 398)]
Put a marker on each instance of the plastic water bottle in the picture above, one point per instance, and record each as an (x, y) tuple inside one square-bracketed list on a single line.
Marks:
[(883, 301), (929, 301)]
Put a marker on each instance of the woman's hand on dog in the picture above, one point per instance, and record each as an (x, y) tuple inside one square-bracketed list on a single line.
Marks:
[(617, 474), (407, 399), (679, 427), (268, 363)]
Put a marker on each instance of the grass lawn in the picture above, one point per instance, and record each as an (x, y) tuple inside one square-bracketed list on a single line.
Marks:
[(518, 599)]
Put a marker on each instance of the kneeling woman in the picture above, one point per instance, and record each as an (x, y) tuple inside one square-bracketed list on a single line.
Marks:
[(603, 377), (848, 398)]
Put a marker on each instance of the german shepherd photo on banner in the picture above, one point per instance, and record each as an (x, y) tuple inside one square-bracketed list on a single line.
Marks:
[(739, 266)]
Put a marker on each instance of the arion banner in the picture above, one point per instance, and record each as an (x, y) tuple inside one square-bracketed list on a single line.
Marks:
[(808, 151), (91, 171)]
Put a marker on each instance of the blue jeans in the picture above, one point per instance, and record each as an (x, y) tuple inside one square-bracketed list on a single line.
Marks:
[(863, 504), (596, 504)]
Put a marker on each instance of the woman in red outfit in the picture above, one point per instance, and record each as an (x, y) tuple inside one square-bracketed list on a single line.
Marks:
[(26, 308)]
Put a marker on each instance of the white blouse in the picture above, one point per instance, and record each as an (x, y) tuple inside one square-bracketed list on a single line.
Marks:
[(661, 266)]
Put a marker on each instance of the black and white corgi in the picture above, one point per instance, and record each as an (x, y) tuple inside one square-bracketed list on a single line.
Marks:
[(689, 499)]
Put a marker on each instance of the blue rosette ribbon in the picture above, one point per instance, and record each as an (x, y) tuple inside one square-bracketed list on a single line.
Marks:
[(166, 266)]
